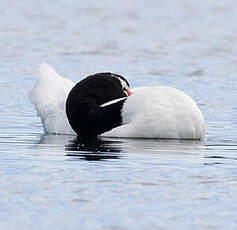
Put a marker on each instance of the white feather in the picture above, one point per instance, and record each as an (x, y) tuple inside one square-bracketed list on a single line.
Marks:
[(160, 112), (49, 96)]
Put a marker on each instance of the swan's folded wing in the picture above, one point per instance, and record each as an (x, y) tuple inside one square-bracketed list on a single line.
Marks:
[(160, 112)]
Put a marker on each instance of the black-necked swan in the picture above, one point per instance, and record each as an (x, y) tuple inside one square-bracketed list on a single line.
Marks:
[(102, 104)]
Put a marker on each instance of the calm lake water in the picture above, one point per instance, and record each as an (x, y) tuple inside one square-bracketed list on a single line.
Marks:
[(53, 182)]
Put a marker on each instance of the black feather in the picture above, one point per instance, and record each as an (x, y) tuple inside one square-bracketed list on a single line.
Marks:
[(83, 110)]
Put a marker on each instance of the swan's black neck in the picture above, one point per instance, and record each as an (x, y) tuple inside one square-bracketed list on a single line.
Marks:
[(85, 115)]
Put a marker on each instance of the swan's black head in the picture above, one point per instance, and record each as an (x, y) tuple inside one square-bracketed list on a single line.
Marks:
[(87, 109)]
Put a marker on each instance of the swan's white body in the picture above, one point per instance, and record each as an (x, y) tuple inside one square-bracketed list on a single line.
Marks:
[(150, 112), (49, 97)]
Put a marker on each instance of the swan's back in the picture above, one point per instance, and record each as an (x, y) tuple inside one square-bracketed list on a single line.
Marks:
[(49, 96), (160, 112)]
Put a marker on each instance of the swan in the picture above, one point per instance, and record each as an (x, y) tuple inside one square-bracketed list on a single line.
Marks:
[(103, 104)]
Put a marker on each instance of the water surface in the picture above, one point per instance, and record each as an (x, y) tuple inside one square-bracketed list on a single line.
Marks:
[(56, 182)]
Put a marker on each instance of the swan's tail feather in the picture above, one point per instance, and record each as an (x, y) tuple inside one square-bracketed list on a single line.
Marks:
[(49, 86), (49, 96)]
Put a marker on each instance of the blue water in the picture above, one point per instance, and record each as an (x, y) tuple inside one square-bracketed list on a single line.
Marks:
[(53, 182)]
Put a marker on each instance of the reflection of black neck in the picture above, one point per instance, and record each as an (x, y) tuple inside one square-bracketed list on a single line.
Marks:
[(92, 149)]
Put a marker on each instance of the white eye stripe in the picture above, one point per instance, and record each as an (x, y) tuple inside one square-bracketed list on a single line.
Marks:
[(123, 84)]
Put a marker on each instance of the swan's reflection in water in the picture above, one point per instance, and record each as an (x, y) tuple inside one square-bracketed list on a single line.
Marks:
[(93, 149), (103, 148)]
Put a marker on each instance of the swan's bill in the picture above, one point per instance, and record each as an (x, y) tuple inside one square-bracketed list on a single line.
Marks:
[(113, 101)]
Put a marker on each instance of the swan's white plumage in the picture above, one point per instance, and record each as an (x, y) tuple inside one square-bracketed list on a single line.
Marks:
[(49, 96), (151, 112), (160, 112)]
